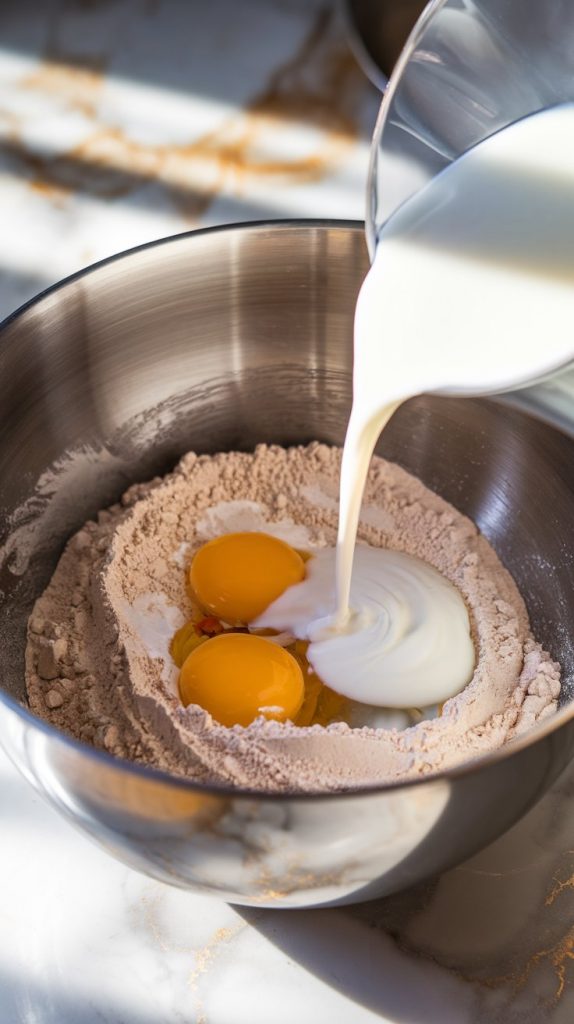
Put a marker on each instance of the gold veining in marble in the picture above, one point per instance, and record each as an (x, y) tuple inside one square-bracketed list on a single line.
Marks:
[(80, 87), (320, 86), (204, 959), (561, 885), (546, 952), (557, 956), (294, 879)]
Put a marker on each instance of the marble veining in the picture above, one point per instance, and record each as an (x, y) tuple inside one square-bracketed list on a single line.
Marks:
[(126, 121)]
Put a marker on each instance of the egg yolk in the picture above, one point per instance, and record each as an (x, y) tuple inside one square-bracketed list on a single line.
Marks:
[(184, 642), (238, 576), (237, 677)]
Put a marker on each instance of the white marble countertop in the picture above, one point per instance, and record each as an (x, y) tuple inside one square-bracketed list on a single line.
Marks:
[(122, 121), (84, 940), (128, 120)]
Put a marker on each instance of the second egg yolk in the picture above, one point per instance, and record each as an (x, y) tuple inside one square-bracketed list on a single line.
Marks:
[(237, 677), (237, 576)]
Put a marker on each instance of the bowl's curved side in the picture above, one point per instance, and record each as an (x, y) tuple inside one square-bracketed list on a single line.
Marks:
[(220, 340), (288, 851)]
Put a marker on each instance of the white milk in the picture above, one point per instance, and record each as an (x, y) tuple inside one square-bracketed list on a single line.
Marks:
[(471, 291), (408, 643)]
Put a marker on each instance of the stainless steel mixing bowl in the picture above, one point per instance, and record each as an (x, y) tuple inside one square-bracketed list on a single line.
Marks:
[(219, 340)]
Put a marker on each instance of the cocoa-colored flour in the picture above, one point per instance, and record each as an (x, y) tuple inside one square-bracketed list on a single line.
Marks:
[(97, 658)]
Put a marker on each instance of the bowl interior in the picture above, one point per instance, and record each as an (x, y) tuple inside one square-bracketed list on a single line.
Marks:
[(221, 340)]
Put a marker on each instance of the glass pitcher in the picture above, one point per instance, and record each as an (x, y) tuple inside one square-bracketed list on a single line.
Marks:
[(468, 69)]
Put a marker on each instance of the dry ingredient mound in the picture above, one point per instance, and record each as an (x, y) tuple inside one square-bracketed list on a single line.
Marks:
[(97, 663)]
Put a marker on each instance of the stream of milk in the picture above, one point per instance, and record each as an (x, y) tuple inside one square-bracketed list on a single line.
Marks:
[(471, 292)]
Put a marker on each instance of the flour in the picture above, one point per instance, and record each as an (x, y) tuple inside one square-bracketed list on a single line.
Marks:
[(97, 661)]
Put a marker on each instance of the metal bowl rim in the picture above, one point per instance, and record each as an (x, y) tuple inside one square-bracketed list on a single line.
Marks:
[(155, 775)]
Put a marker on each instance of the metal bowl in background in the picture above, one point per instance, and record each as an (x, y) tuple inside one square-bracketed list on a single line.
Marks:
[(219, 340), (378, 30)]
